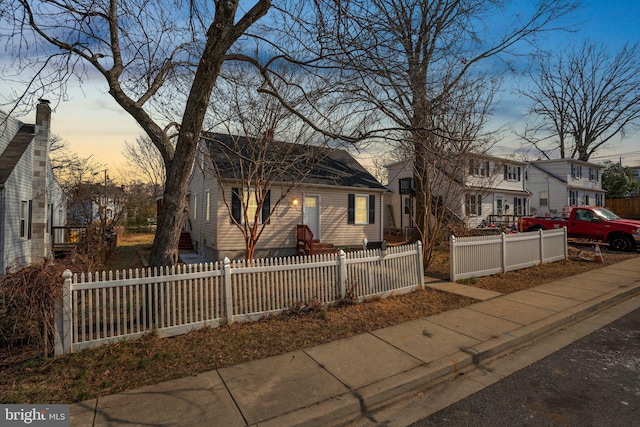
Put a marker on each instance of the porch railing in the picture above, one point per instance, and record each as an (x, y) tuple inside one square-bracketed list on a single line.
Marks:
[(304, 239), (67, 238)]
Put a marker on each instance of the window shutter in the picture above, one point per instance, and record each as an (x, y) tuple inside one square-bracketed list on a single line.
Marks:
[(470, 167), (351, 209), (372, 209), (518, 173), (479, 205), (266, 208), (30, 219), (505, 172), (236, 212), (486, 168)]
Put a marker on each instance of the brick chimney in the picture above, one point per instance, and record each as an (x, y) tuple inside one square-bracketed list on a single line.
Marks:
[(40, 182)]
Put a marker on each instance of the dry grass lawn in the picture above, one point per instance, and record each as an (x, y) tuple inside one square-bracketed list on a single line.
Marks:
[(114, 368)]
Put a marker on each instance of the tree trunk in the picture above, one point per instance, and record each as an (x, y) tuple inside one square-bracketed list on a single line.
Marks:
[(173, 216)]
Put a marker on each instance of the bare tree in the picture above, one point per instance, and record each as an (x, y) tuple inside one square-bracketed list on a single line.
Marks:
[(582, 98), (409, 60), (264, 146), (156, 57), (145, 160)]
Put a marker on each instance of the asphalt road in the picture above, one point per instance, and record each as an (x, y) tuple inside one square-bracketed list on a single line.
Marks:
[(593, 382)]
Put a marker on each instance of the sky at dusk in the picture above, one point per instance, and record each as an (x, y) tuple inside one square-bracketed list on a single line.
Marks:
[(92, 123)]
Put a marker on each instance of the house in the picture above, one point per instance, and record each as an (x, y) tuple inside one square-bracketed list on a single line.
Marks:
[(31, 200), (326, 190), (97, 203), (481, 190), (556, 184)]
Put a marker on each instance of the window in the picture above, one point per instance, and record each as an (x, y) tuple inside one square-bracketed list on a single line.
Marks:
[(573, 198), (519, 206), (361, 209), (544, 198), (586, 199), (594, 174), (408, 206), (195, 208), (407, 186), (249, 196), (599, 199), (237, 209), (478, 167), (512, 173), (473, 205), (207, 206), (576, 171), (24, 212)]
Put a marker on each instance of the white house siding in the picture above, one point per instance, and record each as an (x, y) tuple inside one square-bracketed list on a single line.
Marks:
[(490, 188), (556, 180), (279, 236), (17, 250), (57, 209), (203, 231)]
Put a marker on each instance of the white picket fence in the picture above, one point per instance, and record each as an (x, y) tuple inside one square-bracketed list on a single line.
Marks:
[(108, 307), (485, 255)]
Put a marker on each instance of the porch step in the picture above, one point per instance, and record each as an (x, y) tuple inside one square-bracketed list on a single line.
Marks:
[(185, 243), (323, 248)]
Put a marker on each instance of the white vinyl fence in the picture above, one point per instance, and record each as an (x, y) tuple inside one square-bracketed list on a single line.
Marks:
[(485, 255), (107, 307)]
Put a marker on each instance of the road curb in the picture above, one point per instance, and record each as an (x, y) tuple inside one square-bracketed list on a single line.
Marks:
[(346, 407)]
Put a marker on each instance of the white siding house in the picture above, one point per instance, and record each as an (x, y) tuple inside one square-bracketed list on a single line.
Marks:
[(336, 198), (486, 190), (31, 201), (556, 184)]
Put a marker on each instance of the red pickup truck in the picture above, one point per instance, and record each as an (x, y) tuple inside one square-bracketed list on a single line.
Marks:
[(588, 222)]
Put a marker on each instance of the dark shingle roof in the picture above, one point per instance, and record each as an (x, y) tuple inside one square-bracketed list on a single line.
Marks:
[(14, 151), (305, 163)]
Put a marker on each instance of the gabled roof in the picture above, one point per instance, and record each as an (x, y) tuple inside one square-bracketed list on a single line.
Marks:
[(14, 151), (534, 165), (306, 163)]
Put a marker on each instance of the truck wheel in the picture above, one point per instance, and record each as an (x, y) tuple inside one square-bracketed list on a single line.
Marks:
[(621, 243)]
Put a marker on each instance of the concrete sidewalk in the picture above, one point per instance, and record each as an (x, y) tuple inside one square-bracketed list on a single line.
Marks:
[(338, 381)]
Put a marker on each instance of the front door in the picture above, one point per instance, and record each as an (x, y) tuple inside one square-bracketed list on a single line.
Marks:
[(311, 214), (499, 207)]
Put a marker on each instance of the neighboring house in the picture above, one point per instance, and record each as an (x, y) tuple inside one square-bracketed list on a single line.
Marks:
[(556, 184), (484, 190), (337, 199), (95, 203), (31, 200)]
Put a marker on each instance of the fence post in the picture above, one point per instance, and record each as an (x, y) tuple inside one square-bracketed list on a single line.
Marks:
[(541, 238), (566, 246), (365, 242), (504, 252), (63, 318), (452, 258), (228, 297), (342, 273), (419, 263)]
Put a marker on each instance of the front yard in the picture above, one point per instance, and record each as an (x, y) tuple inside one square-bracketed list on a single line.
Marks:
[(114, 368)]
